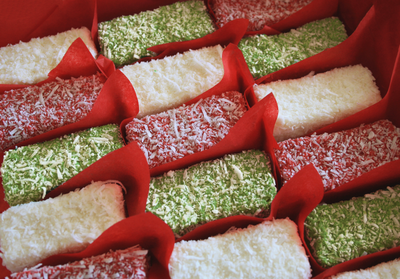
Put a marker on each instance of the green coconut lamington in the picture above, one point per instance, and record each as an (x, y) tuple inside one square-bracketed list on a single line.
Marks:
[(29, 172), (346, 230), (237, 184), (267, 54), (125, 39)]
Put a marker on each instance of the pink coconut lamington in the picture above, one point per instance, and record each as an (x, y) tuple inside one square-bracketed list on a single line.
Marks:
[(129, 263), (259, 13), (342, 156), (173, 134), (34, 110)]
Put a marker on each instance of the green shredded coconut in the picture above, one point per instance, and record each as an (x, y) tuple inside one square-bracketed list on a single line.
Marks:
[(350, 229), (237, 184), (125, 39), (29, 172), (267, 54)]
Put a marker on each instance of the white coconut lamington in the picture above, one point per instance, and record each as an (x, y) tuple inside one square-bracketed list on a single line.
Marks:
[(34, 110), (125, 39), (346, 230), (267, 54), (170, 82), (68, 223), (259, 13), (30, 62), (173, 134), (237, 184), (342, 156), (271, 249), (314, 101), (385, 270), (29, 172), (129, 263)]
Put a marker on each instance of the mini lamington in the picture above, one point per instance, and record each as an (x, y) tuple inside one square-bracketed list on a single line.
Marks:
[(29, 172), (267, 54), (68, 223), (34, 110), (271, 249), (125, 39), (309, 103), (31, 62), (346, 230), (259, 13), (342, 156), (173, 134), (237, 184), (132, 262), (172, 81)]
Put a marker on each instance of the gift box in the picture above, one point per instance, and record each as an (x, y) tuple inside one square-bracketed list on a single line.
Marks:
[(373, 30)]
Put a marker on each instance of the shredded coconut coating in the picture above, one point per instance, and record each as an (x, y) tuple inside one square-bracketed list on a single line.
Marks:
[(29, 172), (259, 13), (124, 264), (314, 101), (179, 132), (34, 110), (68, 223), (350, 229), (271, 249), (125, 39), (30, 62), (170, 82), (386, 270), (235, 184), (267, 54), (342, 156)]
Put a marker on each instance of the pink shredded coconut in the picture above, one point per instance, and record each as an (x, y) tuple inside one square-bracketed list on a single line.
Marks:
[(34, 110), (175, 133), (341, 157), (123, 264), (259, 13)]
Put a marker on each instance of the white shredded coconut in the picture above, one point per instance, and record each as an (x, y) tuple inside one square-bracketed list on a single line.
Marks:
[(32, 232), (271, 249), (312, 102), (167, 83)]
